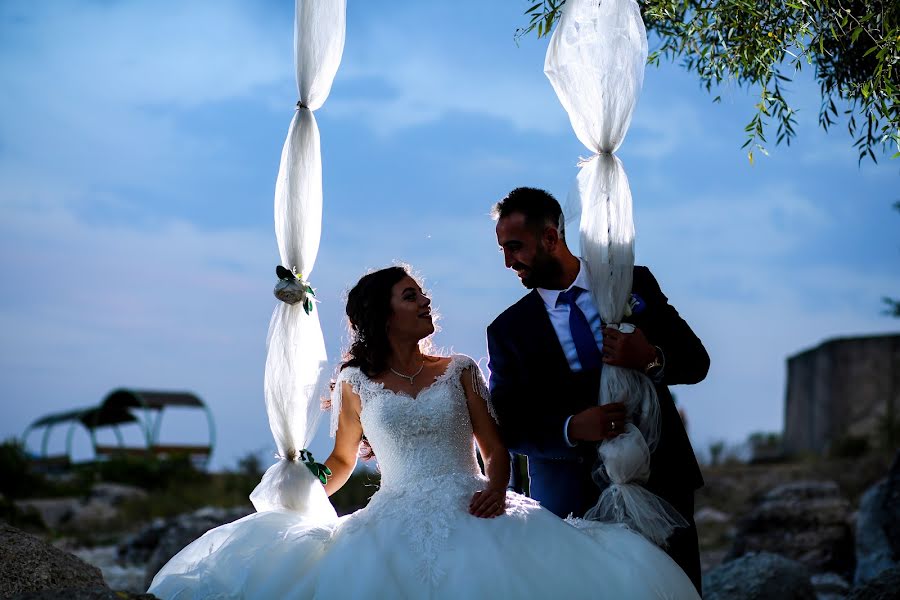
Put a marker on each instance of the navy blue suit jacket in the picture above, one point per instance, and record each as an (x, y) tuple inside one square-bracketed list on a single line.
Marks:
[(534, 391)]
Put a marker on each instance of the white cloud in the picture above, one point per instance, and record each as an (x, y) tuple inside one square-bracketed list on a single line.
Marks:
[(93, 90), (145, 54), (429, 75), (660, 129)]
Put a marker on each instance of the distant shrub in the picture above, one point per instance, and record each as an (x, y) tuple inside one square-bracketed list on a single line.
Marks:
[(148, 472), (250, 465), (849, 446), (355, 494), (16, 478), (716, 450), (765, 447), (721, 453)]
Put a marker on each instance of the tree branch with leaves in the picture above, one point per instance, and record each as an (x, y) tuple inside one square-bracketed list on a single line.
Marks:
[(852, 45)]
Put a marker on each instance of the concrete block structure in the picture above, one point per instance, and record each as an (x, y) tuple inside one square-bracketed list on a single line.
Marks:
[(845, 387)]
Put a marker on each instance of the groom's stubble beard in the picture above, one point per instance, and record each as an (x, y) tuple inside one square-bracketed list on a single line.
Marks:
[(545, 271)]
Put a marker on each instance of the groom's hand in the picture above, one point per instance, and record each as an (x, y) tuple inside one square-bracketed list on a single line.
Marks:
[(629, 350), (598, 423)]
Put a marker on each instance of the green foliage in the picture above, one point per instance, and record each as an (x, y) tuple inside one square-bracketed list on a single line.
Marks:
[(853, 45), (16, 479), (29, 519), (764, 439), (148, 472), (19, 479), (892, 307), (719, 453), (765, 447), (716, 450), (250, 465)]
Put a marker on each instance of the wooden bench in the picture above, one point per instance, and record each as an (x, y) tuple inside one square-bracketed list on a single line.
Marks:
[(120, 451), (170, 449)]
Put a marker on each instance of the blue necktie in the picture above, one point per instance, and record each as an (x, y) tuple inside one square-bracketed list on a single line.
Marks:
[(589, 354)]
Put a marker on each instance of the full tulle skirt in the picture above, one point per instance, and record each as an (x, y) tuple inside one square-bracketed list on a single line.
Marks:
[(403, 545)]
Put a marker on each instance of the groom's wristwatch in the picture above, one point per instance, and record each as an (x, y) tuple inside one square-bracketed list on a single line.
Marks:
[(655, 364)]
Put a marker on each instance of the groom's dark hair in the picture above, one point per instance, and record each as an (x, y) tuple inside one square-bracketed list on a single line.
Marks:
[(538, 206)]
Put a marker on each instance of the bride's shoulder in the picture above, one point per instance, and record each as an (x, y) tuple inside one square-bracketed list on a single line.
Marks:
[(352, 376), (348, 372), (461, 362)]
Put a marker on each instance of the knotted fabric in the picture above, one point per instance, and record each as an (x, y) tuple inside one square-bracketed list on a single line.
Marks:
[(296, 361), (595, 62)]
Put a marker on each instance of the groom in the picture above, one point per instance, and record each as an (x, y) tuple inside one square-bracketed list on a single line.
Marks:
[(547, 351)]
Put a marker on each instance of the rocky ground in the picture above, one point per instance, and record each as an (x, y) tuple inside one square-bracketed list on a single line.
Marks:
[(823, 529), (817, 530)]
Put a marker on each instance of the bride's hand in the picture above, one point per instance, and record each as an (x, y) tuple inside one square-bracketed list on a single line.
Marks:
[(488, 503)]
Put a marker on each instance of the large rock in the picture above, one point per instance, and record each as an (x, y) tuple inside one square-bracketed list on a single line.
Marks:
[(808, 521), (30, 564), (873, 548), (161, 540), (830, 586), (886, 586), (137, 549), (878, 527), (103, 503), (762, 576), (891, 503), (91, 593)]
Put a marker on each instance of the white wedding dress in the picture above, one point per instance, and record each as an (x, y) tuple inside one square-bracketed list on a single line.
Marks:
[(416, 538)]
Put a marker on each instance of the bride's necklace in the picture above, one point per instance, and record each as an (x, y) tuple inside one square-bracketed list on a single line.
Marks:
[(409, 377)]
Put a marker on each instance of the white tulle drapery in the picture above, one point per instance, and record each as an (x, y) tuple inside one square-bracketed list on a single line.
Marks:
[(595, 63), (296, 363)]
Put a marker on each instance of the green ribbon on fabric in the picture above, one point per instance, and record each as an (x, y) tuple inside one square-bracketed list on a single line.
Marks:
[(317, 469)]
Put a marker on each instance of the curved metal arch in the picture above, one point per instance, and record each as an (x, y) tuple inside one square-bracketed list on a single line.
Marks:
[(210, 427)]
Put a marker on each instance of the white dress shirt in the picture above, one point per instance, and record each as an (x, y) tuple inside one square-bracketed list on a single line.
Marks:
[(559, 318)]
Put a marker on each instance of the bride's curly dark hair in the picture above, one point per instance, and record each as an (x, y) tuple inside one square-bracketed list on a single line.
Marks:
[(368, 311)]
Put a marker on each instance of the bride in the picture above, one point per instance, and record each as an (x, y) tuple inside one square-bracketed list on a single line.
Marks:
[(437, 527)]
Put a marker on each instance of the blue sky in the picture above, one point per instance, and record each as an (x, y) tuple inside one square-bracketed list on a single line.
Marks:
[(139, 143)]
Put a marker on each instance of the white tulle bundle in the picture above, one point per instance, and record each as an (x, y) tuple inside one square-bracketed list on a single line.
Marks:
[(626, 461), (595, 63), (296, 358)]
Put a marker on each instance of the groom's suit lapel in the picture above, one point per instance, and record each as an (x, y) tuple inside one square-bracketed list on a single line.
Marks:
[(542, 335)]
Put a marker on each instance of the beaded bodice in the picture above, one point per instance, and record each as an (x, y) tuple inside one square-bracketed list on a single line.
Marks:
[(419, 438)]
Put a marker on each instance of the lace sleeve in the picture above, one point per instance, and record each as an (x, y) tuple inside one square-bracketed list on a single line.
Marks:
[(348, 375), (480, 385)]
